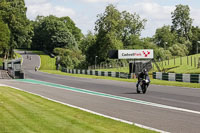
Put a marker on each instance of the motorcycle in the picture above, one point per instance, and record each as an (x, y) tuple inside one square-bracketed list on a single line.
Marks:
[(36, 68), (143, 85)]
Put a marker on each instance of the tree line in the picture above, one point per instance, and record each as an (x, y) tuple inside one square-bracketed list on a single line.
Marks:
[(113, 30)]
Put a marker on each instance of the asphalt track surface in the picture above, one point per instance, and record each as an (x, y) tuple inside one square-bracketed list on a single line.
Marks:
[(171, 109)]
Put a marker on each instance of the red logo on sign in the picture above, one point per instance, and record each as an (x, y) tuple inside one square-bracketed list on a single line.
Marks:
[(146, 54)]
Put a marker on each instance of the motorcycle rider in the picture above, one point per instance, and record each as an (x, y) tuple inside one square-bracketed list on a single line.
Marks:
[(143, 75)]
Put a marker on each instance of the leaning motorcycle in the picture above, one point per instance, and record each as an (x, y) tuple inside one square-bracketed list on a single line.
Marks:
[(143, 85)]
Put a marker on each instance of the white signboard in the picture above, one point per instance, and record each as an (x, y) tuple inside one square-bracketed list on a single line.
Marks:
[(135, 54)]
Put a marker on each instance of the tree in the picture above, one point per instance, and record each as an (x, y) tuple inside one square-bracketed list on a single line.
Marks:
[(195, 38), (181, 21), (4, 39), (75, 31), (86, 42), (179, 50), (13, 13), (114, 29), (108, 33), (131, 25), (50, 33), (69, 58), (134, 42), (164, 37)]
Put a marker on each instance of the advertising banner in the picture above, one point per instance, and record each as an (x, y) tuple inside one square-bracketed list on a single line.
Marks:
[(135, 54)]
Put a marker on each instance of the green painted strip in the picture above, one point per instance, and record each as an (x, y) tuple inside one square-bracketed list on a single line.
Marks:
[(79, 90), (103, 95)]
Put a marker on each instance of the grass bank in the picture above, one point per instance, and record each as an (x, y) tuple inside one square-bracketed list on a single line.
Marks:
[(21, 112), (47, 63), (186, 64)]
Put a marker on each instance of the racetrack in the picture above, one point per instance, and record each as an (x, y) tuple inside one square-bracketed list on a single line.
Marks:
[(182, 113)]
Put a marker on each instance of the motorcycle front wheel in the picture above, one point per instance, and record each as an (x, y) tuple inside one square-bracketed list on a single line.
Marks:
[(138, 91), (144, 89)]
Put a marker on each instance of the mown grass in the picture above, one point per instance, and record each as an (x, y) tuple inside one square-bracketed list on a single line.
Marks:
[(153, 81), (21, 112), (17, 55), (47, 63)]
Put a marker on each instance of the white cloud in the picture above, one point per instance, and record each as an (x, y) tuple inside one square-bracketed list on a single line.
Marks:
[(195, 16), (95, 1), (30, 2), (46, 9), (156, 15), (153, 10)]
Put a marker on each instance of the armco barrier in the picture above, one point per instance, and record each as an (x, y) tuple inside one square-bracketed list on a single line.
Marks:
[(97, 73), (191, 78)]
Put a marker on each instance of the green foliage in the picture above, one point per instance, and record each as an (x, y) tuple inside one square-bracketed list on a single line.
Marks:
[(177, 38), (164, 37), (4, 39), (134, 42), (13, 13), (75, 31), (105, 44), (114, 30), (108, 33), (87, 42), (181, 21), (131, 25), (69, 58), (50, 32), (58, 35), (195, 39), (1, 61), (179, 50), (109, 21)]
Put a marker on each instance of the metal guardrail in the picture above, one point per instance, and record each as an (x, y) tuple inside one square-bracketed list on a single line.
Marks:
[(97, 73)]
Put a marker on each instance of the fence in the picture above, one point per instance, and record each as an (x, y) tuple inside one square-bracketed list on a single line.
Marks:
[(192, 61), (191, 78), (98, 73)]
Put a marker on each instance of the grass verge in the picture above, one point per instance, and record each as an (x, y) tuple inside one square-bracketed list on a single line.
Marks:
[(21, 112), (153, 81)]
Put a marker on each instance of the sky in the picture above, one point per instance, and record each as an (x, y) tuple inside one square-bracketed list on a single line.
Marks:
[(84, 12)]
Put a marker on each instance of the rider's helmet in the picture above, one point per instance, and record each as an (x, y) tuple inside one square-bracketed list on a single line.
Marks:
[(144, 70)]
